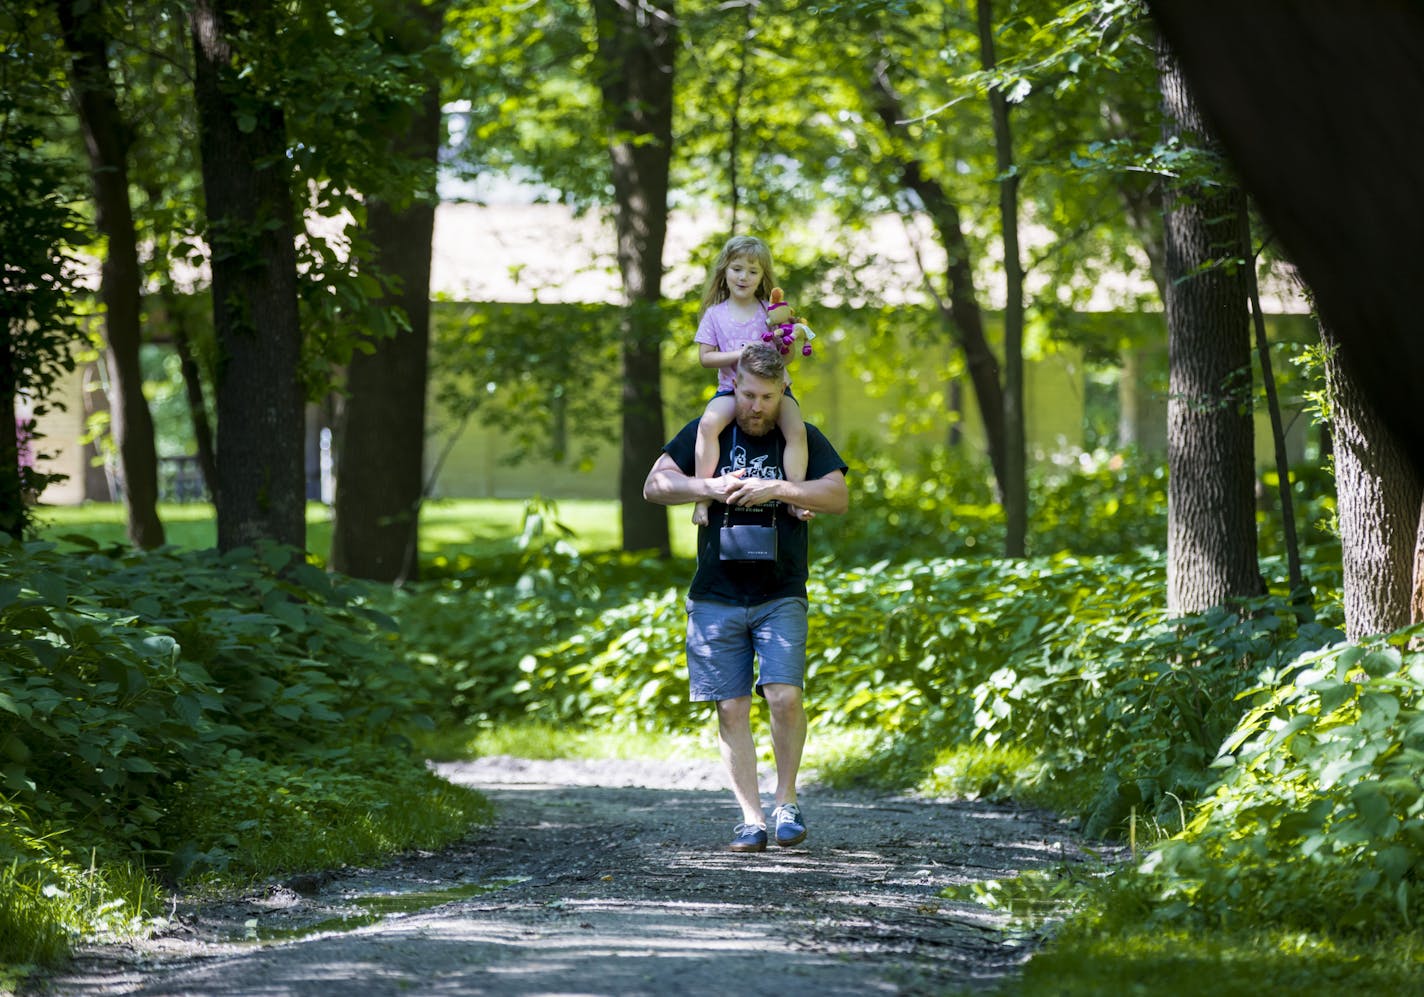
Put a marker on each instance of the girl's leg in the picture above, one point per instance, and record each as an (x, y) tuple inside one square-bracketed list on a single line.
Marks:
[(793, 427), (716, 417)]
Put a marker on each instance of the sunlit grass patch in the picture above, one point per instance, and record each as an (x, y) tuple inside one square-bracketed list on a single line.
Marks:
[(545, 741), (251, 818), (1007, 771), (51, 898), (449, 528), (1090, 960)]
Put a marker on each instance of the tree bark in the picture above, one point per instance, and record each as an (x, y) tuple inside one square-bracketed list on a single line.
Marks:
[(261, 490), (1211, 529), (1378, 495), (959, 307), (193, 390), (106, 143), (12, 493), (637, 49), (1416, 602), (1015, 480), (381, 437), (1299, 590)]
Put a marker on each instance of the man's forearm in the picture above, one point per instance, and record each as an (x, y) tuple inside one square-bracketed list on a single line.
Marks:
[(672, 487), (827, 495)]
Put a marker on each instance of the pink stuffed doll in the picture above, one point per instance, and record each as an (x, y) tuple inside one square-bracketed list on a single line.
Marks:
[(784, 327)]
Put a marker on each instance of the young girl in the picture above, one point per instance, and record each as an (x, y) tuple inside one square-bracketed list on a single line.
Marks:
[(733, 315)]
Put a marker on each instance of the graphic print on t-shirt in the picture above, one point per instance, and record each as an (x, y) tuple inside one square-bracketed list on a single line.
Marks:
[(759, 467)]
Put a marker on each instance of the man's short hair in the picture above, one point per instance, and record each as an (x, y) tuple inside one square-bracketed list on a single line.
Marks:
[(762, 360)]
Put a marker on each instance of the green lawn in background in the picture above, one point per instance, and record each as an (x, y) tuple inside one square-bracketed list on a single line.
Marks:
[(448, 527)]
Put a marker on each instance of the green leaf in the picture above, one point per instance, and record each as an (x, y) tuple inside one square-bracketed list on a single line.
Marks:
[(18, 779), (1373, 807)]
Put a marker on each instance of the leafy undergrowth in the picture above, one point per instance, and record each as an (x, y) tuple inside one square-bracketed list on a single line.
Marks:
[(172, 717), (1265, 771)]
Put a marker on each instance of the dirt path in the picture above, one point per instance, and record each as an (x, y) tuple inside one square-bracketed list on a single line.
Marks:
[(612, 878)]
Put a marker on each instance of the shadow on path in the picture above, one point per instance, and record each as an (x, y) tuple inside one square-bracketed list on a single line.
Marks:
[(620, 889)]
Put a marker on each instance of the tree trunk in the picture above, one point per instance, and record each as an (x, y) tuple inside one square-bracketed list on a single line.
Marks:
[(106, 142), (193, 389), (1416, 602), (1015, 479), (381, 439), (12, 492), (261, 491), (637, 49), (960, 306), (1378, 496), (1211, 528), (1299, 590)]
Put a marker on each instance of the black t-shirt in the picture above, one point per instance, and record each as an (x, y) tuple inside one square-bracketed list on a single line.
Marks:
[(750, 583)]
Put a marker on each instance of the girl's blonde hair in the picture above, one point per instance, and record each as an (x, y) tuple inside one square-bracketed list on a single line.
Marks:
[(737, 247)]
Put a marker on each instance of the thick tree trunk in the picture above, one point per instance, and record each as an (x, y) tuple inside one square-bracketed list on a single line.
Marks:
[(959, 307), (261, 491), (381, 435), (106, 142), (1211, 528), (1015, 480), (1378, 495), (637, 49)]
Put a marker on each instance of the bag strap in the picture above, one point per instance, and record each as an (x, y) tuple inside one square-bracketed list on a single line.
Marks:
[(727, 509)]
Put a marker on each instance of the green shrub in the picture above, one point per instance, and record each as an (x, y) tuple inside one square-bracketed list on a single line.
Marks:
[(1318, 820), (187, 712), (121, 675)]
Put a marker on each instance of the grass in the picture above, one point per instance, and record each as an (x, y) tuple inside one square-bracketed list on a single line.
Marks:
[(1094, 960), (545, 741), (449, 528), (293, 818)]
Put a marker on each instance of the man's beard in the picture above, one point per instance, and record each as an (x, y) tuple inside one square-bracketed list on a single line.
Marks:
[(746, 423)]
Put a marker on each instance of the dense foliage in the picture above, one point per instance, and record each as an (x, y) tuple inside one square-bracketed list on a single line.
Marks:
[(1267, 756), (189, 713)]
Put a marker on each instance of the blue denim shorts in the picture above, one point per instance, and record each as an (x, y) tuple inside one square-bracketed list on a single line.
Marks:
[(735, 650)]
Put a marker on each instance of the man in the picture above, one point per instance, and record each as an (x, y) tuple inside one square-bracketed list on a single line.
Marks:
[(741, 610)]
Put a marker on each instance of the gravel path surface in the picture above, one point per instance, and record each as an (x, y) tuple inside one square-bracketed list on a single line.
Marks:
[(611, 877)]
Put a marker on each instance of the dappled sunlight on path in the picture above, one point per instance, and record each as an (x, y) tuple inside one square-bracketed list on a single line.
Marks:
[(626, 888)]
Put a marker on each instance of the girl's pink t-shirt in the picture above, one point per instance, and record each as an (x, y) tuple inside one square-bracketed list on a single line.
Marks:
[(723, 333)]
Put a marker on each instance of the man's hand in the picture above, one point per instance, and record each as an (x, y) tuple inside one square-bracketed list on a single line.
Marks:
[(750, 491)]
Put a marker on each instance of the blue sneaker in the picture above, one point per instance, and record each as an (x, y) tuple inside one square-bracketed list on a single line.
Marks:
[(750, 838), (790, 829)]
